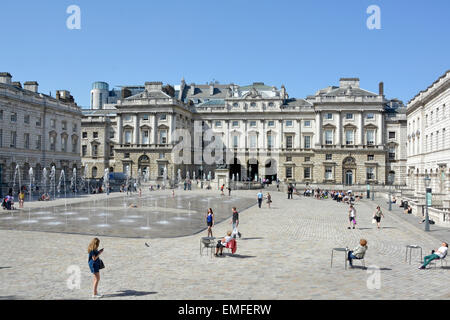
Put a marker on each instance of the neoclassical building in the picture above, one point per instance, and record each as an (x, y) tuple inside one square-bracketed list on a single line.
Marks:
[(340, 135), (428, 139), (36, 131)]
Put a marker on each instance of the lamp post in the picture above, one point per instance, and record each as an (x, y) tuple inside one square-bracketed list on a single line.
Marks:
[(427, 181), (373, 191), (390, 181)]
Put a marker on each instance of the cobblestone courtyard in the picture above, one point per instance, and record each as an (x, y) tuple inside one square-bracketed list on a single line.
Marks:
[(284, 254)]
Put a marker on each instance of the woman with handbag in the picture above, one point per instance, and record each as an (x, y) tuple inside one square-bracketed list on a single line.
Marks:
[(377, 216), (95, 263)]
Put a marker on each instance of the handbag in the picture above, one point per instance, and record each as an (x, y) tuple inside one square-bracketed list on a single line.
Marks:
[(374, 220), (101, 264)]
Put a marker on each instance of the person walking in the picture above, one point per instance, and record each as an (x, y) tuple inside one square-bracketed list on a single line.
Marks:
[(221, 190), (377, 216), (235, 223), (260, 198), (352, 217), (95, 264), (229, 191), (269, 199), (21, 198), (440, 253), (210, 221)]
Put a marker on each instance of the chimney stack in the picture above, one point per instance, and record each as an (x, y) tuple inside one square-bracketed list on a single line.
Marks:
[(5, 77), (381, 89), (31, 86)]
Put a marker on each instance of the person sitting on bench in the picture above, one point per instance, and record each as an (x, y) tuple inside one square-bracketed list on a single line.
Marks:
[(440, 253), (358, 252)]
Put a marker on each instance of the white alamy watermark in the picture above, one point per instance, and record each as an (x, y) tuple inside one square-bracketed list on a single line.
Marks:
[(374, 20), (374, 279), (73, 22), (74, 280)]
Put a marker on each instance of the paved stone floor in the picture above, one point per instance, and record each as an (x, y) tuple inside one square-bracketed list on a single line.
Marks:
[(284, 254)]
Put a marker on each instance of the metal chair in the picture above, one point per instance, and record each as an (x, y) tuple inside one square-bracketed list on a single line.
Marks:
[(443, 260), (207, 243)]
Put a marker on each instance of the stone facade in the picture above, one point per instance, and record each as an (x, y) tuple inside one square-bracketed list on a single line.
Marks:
[(337, 136), (36, 131), (428, 140)]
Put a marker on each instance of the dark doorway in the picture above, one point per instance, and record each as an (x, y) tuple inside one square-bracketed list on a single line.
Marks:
[(252, 169), (271, 170), (235, 169)]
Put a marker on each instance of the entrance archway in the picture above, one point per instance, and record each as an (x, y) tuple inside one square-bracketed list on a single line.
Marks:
[(349, 171), (235, 169), (252, 169), (271, 170)]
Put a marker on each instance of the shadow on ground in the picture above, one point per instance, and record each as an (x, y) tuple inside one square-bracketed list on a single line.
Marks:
[(129, 293)]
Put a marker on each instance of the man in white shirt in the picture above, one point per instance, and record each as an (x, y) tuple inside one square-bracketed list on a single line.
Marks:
[(440, 253), (352, 217)]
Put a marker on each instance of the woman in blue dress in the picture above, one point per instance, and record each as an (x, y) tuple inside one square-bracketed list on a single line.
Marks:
[(94, 263), (210, 221)]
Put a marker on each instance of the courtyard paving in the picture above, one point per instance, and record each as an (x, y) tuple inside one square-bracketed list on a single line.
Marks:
[(284, 254)]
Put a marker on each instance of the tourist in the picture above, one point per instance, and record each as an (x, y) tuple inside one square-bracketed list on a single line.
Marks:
[(229, 191), (394, 199), (235, 223), (407, 210), (269, 199), (278, 185), (223, 243), (358, 252), (210, 221), (260, 198), (95, 264), (377, 216), (221, 189), (173, 193), (140, 192), (352, 217), (440, 253), (21, 198), (290, 191)]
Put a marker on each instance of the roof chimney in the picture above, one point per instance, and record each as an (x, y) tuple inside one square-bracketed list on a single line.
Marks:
[(17, 84), (5, 77), (153, 86), (31, 86), (211, 89), (381, 89)]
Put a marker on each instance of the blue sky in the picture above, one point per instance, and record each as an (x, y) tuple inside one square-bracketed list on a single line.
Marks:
[(305, 45)]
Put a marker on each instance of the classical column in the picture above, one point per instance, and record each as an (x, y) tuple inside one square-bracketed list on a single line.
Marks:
[(136, 128), (318, 132), (361, 128), (380, 140), (119, 128), (155, 130), (338, 128), (298, 143), (280, 139)]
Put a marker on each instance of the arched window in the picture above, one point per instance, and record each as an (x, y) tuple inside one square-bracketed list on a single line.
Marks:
[(94, 172)]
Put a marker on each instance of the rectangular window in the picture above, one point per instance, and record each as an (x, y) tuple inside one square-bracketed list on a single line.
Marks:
[(26, 119), (64, 125), (370, 173), (52, 143), (253, 141), (127, 117), (289, 142), (111, 151), (269, 141), (253, 124), (328, 116), (74, 145), (74, 127), (307, 123), (370, 157), (126, 155), (95, 135), (328, 136), (26, 138), (1, 114), (13, 139), (13, 117), (349, 137), (288, 172), (111, 134), (84, 135), (307, 159), (163, 136), (128, 136), (370, 137), (235, 141), (145, 137), (289, 123), (391, 153), (328, 173), (145, 117), (307, 141), (218, 124), (271, 123), (235, 123), (307, 173), (163, 117), (94, 150), (288, 158), (162, 155), (370, 116), (64, 145), (328, 156), (53, 123), (391, 134), (349, 116), (38, 142)]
